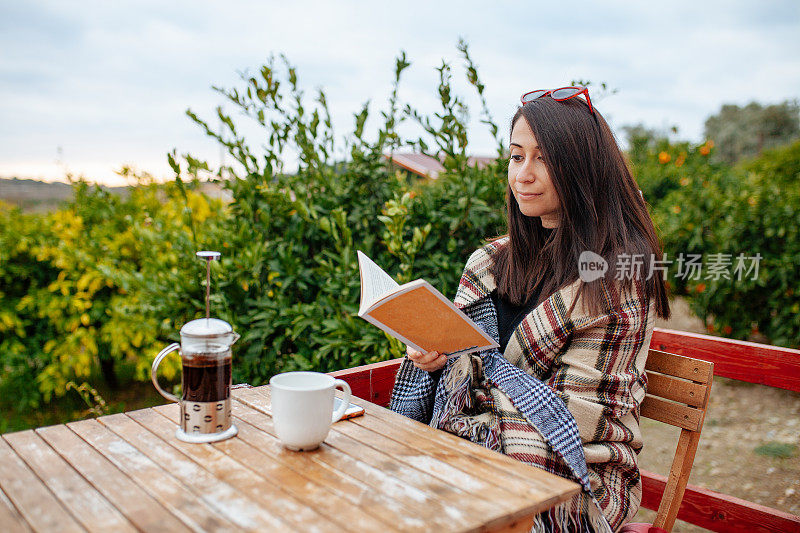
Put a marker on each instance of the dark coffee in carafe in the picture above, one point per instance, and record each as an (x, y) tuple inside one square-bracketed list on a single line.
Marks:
[(206, 377)]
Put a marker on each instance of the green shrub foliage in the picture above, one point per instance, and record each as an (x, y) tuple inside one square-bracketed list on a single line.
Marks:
[(720, 212), (91, 292), (78, 287), (94, 290)]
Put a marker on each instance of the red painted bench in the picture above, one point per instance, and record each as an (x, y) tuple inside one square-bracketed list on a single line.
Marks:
[(744, 361)]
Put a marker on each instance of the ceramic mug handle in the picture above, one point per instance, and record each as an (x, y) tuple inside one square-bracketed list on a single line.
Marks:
[(154, 377), (345, 401)]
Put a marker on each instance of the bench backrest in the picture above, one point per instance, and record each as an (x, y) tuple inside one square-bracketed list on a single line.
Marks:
[(678, 388)]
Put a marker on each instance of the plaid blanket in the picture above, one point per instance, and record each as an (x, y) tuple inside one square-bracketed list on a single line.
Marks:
[(564, 396)]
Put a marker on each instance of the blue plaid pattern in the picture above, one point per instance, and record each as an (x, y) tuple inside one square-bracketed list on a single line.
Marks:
[(413, 393), (417, 396)]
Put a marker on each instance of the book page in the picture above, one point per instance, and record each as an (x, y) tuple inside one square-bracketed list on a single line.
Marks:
[(375, 283)]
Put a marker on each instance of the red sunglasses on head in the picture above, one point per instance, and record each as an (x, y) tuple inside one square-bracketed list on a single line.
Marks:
[(564, 93)]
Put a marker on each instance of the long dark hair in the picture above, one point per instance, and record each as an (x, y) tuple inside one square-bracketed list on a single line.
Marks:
[(602, 211)]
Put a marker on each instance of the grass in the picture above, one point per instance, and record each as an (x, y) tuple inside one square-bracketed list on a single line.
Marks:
[(778, 450)]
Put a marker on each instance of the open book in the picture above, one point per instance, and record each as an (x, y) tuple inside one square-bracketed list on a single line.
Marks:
[(417, 314)]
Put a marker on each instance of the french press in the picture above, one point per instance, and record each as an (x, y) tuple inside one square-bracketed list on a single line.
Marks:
[(205, 351)]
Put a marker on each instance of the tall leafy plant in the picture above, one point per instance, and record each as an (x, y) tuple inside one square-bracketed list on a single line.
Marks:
[(290, 279)]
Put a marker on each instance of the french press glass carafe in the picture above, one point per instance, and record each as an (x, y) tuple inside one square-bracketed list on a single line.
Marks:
[(205, 351)]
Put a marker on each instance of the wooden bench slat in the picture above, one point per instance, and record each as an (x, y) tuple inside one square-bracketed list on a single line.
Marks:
[(260, 464), (682, 367), (751, 362), (88, 506), (676, 389), (372, 382), (719, 512), (668, 412), (152, 478)]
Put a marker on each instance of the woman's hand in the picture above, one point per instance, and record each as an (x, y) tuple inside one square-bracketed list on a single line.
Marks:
[(427, 361)]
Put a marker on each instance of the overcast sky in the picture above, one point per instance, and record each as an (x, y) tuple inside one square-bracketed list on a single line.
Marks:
[(89, 86)]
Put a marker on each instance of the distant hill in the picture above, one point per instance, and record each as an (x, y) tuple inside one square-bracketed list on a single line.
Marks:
[(40, 196)]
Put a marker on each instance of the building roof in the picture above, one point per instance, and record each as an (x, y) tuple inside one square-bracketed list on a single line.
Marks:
[(430, 167)]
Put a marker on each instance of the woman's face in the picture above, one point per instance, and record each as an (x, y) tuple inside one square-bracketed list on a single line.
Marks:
[(529, 179)]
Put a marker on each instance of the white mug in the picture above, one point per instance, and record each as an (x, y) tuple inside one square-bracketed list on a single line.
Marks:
[(302, 407)]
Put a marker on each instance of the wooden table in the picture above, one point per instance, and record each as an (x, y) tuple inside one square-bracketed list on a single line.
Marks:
[(379, 472)]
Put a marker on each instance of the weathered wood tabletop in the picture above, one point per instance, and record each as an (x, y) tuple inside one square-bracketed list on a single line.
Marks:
[(378, 472)]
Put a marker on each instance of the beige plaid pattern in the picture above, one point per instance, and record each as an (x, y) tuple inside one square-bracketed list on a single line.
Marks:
[(595, 364)]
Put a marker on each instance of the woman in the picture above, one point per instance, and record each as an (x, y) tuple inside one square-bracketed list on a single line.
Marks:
[(563, 391)]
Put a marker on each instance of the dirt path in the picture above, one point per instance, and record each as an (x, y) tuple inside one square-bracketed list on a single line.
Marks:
[(750, 446)]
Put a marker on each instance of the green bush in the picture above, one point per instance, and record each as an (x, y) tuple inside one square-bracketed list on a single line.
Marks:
[(71, 304), (290, 281), (94, 290), (91, 292), (702, 207)]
